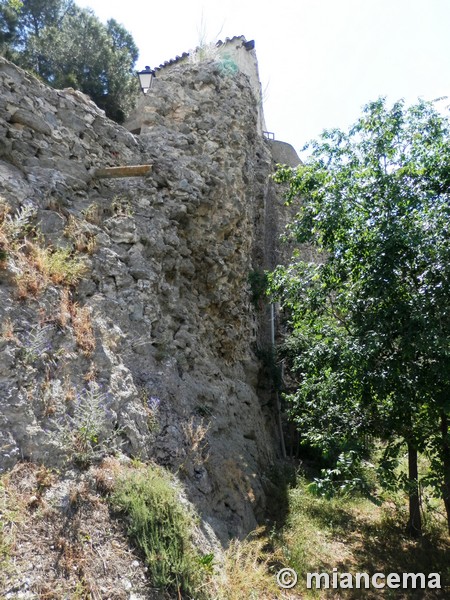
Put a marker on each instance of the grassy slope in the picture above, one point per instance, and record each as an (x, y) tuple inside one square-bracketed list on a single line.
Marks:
[(355, 535)]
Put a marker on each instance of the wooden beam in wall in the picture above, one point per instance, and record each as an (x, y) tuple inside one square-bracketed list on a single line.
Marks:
[(130, 171)]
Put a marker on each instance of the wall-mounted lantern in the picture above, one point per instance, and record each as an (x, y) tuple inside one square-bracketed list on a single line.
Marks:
[(146, 79)]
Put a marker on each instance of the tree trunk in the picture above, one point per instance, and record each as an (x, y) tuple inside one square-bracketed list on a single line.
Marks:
[(414, 527), (446, 465)]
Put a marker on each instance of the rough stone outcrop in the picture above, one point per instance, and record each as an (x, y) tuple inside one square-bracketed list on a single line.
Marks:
[(174, 372)]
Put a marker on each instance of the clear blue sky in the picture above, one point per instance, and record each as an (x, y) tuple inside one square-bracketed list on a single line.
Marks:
[(320, 61)]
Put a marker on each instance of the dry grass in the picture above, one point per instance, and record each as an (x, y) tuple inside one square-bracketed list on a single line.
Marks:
[(7, 331), (106, 474), (69, 390), (196, 443), (58, 266), (83, 240), (80, 317), (62, 541), (91, 374), (11, 507), (67, 545), (65, 305), (93, 214), (33, 265), (82, 328), (37, 266), (246, 572)]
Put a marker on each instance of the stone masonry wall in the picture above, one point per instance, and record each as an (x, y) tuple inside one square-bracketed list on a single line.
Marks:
[(173, 374), (230, 53)]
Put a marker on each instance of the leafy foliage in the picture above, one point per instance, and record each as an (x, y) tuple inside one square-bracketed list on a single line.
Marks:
[(348, 476), (9, 13), (68, 46), (370, 318)]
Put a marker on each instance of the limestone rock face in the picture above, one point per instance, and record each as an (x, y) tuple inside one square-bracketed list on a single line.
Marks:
[(166, 368)]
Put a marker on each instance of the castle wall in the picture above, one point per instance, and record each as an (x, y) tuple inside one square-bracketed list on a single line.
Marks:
[(231, 54), (166, 287)]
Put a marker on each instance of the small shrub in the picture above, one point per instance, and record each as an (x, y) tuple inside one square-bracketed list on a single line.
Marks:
[(45, 478), (5, 548), (37, 266), (196, 443), (162, 528), (59, 265), (14, 227), (82, 239), (151, 405), (35, 344), (93, 214), (34, 265), (84, 433)]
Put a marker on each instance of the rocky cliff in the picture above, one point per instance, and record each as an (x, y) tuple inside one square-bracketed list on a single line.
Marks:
[(125, 302)]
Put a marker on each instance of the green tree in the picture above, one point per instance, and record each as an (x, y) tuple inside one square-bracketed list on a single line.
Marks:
[(9, 17), (370, 319), (94, 58), (68, 46), (23, 22)]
